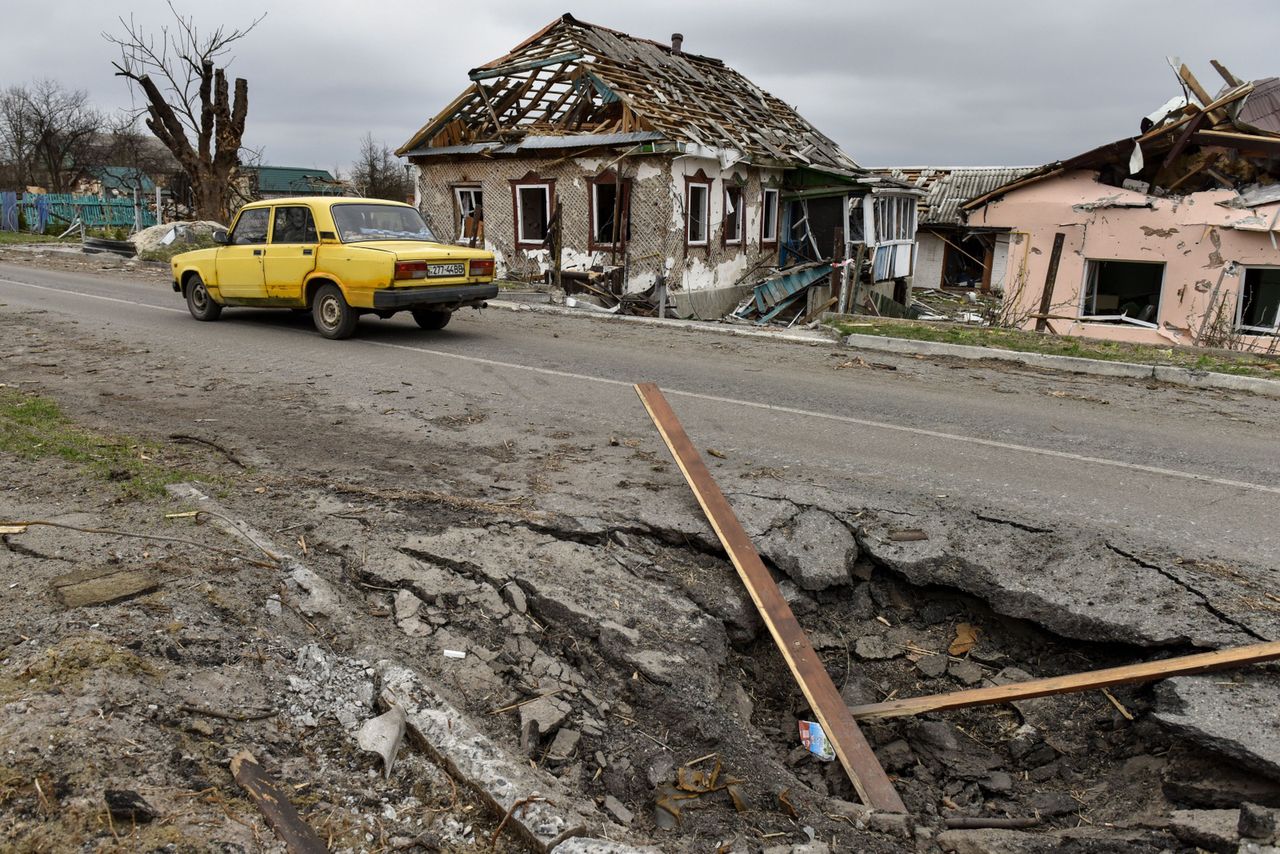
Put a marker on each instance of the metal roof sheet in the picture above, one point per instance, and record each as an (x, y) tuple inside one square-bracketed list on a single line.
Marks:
[(948, 187)]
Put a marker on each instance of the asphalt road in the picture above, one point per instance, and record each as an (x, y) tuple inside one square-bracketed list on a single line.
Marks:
[(1195, 472)]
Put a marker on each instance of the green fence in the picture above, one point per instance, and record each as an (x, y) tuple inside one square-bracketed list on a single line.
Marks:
[(60, 209)]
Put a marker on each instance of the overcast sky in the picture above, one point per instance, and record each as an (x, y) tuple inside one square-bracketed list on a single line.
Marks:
[(894, 82)]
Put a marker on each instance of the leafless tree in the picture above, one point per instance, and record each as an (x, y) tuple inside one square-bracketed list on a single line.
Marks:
[(378, 174), (47, 133), (189, 106)]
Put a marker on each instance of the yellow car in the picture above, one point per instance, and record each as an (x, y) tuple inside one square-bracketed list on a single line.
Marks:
[(339, 258)]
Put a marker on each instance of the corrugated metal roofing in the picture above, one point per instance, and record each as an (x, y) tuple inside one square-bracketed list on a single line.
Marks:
[(290, 179), (948, 187)]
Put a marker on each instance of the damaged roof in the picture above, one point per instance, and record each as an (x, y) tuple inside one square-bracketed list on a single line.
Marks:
[(574, 79), (1230, 141), (946, 188)]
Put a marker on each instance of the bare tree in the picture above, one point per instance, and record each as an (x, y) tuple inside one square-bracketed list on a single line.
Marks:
[(378, 174), (48, 132), (187, 99)]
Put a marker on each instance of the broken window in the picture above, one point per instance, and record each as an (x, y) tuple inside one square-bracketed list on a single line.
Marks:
[(1260, 300), (533, 212), (769, 217), (606, 212), (733, 214), (470, 202), (697, 212), (895, 219), (855, 231), (1122, 292)]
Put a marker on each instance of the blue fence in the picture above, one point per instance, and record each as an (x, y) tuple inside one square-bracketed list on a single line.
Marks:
[(39, 210)]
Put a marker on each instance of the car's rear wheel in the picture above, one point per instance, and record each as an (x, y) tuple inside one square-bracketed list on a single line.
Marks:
[(432, 319), (199, 303), (331, 314)]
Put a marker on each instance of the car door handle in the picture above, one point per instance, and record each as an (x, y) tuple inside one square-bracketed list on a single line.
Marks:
[(257, 252), (306, 251)]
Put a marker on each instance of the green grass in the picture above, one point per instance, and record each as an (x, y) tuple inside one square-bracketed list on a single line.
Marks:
[(1216, 361), (8, 238), (34, 428)]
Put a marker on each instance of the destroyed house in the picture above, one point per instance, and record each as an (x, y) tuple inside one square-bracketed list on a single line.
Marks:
[(949, 252), (586, 149), (1168, 236)]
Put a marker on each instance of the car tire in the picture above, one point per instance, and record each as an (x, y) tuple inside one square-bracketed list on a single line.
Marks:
[(332, 316), (432, 319), (199, 303)]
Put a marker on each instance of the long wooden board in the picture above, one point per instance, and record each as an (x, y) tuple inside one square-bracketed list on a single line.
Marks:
[(868, 778), (1181, 666)]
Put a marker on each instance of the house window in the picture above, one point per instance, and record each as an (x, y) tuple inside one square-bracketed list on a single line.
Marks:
[(769, 217), (697, 213), (895, 219), (609, 213), (533, 212), (1122, 292), (470, 205), (733, 215), (1260, 301)]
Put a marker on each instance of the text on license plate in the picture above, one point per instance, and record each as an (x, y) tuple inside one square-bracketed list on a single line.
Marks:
[(445, 269)]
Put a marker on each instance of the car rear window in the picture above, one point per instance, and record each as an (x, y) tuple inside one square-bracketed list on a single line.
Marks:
[(379, 222)]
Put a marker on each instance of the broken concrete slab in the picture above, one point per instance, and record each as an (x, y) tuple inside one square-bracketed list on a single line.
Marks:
[(501, 780), (1210, 830), (552, 571), (102, 586), (1194, 778), (590, 845), (1037, 576), (814, 548), (1234, 718), (407, 608)]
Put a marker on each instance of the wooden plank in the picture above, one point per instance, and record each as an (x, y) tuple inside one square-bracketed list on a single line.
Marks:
[(1239, 141), (868, 778), (1201, 95), (1226, 75), (1146, 672), (296, 834), (1050, 276)]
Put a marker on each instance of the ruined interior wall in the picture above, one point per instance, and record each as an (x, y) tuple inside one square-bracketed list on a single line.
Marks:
[(1000, 265), (657, 218), (1194, 236)]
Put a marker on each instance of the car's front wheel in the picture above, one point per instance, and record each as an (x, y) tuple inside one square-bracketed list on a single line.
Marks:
[(199, 303), (431, 319), (333, 317)]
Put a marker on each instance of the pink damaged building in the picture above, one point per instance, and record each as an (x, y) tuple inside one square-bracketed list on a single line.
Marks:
[(1170, 236)]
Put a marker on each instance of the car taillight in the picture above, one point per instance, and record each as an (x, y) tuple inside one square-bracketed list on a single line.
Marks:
[(411, 269), (481, 267)]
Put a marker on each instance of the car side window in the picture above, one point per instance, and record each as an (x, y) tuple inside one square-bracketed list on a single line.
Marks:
[(251, 228), (294, 225)]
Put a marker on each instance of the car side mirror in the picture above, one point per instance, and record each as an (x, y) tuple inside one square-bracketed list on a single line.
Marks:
[(220, 236)]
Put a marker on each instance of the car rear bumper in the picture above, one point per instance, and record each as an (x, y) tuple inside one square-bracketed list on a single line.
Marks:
[(400, 298)]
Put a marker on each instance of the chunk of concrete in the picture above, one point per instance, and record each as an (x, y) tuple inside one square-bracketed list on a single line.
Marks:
[(102, 586), (814, 548), (1211, 830), (500, 779), (1236, 719), (382, 735), (875, 648)]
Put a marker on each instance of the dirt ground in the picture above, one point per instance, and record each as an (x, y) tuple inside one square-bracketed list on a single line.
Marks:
[(617, 654)]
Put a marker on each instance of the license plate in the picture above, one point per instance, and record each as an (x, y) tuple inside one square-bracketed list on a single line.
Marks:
[(437, 270)]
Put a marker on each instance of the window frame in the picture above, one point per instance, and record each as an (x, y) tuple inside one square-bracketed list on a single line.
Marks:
[(459, 218), (530, 181), (624, 211), (705, 183), (1239, 324), (765, 192), (740, 220), (231, 235), (311, 221), (1090, 285)]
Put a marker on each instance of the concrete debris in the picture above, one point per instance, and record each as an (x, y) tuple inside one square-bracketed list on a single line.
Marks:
[(875, 648), (1257, 823), (382, 735), (814, 548), (1233, 718), (128, 806), (590, 845), (1210, 830), (544, 713), (407, 607), (618, 810), (1197, 779), (500, 779)]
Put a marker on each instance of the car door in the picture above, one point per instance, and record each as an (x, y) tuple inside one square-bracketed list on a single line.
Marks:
[(240, 274), (291, 255)]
